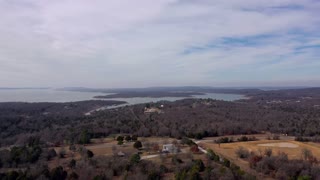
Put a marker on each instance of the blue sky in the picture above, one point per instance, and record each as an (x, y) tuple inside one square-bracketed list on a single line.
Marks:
[(141, 43)]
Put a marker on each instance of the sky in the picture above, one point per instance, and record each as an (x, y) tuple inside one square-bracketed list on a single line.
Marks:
[(143, 43)]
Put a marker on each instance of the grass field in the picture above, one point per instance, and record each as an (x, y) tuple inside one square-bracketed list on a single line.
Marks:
[(108, 146), (290, 147)]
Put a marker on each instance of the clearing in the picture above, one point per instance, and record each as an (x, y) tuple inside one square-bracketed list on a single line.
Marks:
[(290, 147)]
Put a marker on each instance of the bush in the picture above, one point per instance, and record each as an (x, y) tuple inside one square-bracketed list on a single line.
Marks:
[(72, 164), (194, 149), (128, 138), (163, 169), (72, 148), (11, 175), (243, 138), (253, 160), (153, 175), (242, 152), (198, 136), (199, 165), (276, 137), (236, 171), (268, 152), (134, 137), (213, 156), (224, 140), (120, 138), (89, 154), (62, 153), (58, 173), (304, 177), (100, 177), (20, 155), (120, 142), (187, 141), (73, 176), (181, 175), (210, 154), (84, 137), (194, 174), (51, 154), (134, 159), (306, 153), (226, 162), (137, 145), (253, 138), (175, 160), (155, 147)]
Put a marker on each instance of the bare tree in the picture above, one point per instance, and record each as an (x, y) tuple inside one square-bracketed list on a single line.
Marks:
[(114, 150), (146, 145), (306, 153), (268, 152), (242, 152)]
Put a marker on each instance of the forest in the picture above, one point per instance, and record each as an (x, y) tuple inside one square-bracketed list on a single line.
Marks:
[(31, 130), (292, 112)]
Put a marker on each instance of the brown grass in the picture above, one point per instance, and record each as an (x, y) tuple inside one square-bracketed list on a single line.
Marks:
[(293, 153), (228, 150)]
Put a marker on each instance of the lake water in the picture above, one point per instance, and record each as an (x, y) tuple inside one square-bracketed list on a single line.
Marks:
[(51, 95), (140, 100), (44, 95)]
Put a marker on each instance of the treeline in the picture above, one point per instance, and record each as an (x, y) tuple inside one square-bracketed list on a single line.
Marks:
[(232, 170), (308, 139), (279, 166), (43, 173), (231, 140), (194, 118)]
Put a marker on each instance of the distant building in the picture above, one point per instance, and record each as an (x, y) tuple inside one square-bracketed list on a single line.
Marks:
[(167, 148), (121, 154), (152, 110), (170, 148)]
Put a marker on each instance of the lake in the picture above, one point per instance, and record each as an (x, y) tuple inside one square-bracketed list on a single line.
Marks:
[(44, 95), (51, 95)]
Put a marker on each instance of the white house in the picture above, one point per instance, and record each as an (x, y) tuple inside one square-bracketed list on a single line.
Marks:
[(170, 148), (121, 154), (167, 148)]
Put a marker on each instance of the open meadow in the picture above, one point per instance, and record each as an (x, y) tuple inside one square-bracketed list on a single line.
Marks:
[(287, 145)]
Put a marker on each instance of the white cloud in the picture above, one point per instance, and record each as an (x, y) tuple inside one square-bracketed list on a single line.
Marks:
[(124, 43)]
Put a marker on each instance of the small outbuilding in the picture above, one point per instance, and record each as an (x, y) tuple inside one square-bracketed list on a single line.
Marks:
[(121, 154), (170, 148)]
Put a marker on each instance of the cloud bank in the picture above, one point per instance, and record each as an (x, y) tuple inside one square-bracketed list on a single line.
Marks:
[(125, 43)]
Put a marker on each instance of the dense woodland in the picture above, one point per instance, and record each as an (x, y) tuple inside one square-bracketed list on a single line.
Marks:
[(31, 129), (292, 112)]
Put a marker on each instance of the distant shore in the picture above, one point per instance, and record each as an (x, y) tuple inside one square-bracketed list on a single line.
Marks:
[(149, 94)]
